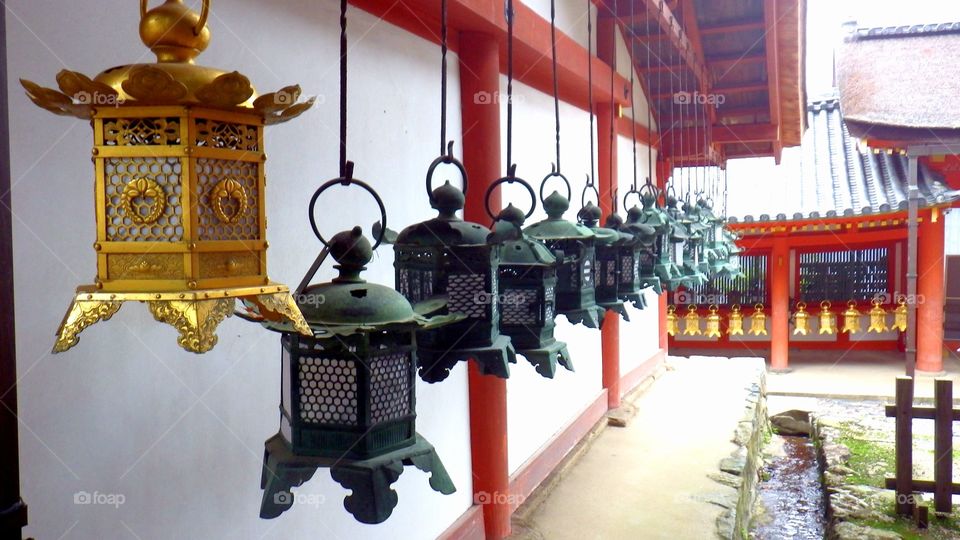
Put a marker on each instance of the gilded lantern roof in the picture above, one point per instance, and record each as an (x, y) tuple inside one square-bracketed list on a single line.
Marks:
[(176, 35)]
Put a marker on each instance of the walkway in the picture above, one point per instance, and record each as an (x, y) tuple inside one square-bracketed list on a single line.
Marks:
[(641, 481)]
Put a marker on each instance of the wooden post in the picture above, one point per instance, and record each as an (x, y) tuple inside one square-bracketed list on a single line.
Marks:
[(943, 445), (780, 308), (13, 513), (904, 445), (913, 195), (479, 74), (607, 180)]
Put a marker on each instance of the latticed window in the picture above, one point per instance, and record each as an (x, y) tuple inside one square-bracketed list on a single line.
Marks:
[(748, 289), (860, 275)]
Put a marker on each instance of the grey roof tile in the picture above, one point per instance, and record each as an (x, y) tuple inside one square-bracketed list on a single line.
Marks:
[(839, 177)]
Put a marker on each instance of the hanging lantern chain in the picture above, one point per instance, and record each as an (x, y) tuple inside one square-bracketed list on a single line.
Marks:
[(613, 113), (649, 41), (590, 86), (509, 15), (633, 99), (443, 76), (556, 82), (343, 88)]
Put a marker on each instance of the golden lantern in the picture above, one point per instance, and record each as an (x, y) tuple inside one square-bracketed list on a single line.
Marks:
[(900, 316), (179, 184), (851, 318), (878, 318), (735, 321), (828, 323), (673, 322), (713, 322), (801, 320), (758, 321), (691, 322)]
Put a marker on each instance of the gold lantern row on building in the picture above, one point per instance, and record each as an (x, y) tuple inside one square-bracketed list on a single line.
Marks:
[(801, 320), (179, 162)]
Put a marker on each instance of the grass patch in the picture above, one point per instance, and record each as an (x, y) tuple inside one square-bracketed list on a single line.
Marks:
[(940, 528)]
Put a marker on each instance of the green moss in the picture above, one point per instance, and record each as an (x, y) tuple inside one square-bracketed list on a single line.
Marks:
[(939, 528), (871, 461)]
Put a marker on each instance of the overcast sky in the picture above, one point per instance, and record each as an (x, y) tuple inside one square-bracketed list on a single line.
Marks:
[(756, 185)]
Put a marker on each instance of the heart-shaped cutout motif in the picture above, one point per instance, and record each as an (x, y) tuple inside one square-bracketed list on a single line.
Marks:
[(143, 200), (228, 189)]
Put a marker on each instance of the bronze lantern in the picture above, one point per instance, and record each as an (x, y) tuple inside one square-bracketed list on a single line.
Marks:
[(179, 183), (528, 285), (349, 390), (576, 294), (662, 252), (612, 269), (450, 259)]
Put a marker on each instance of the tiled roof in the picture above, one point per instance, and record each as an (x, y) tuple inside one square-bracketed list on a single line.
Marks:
[(838, 178), (914, 30)]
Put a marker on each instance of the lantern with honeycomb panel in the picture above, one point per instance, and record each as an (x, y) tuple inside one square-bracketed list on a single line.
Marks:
[(576, 293), (348, 392), (179, 184)]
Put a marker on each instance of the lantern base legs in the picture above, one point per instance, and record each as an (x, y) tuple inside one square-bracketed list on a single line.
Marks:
[(545, 359), (372, 499), (435, 366), (591, 317), (195, 314), (617, 307), (651, 282)]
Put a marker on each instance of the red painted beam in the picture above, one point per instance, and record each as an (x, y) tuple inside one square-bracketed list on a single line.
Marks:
[(532, 48), (771, 19), (730, 27), (480, 72)]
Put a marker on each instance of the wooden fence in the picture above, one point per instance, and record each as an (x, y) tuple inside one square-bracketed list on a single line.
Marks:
[(944, 415)]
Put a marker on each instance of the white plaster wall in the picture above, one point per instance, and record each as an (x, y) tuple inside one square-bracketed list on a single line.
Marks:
[(571, 17), (639, 338), (126, 411), (540, 407)]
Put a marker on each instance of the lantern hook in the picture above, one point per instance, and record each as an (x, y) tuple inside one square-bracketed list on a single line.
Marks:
[(347, 180), (583, 195), (446, 159), (554, 173), (511, 178)]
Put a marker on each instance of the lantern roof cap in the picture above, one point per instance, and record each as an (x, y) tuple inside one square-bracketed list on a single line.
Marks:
[(590, 215), (348, 304), (614, 221), (446, 229), (555, 227), (177, 35)]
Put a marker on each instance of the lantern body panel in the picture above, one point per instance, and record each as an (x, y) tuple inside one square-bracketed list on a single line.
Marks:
[(348, 397), (529, 307), (179, 199)]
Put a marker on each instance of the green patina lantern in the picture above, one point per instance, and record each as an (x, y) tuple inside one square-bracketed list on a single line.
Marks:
[(683, 255), (612, 271), (718, 248), (447, 261), (348, 392), (576, 294), (695, 267), (661, 253), (528, 285)]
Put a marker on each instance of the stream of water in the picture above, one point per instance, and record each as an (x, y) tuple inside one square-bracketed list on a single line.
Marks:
[(793, 495)]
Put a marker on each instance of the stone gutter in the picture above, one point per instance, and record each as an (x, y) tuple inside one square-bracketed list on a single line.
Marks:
[(741, 469)]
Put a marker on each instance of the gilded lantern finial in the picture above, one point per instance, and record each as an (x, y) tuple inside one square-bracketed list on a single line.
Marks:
[(173, 31)]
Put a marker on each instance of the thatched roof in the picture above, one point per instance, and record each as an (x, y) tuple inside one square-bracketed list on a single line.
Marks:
[(900, 84)]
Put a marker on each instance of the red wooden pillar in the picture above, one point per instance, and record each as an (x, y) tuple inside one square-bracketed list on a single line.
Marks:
[(930, 293), (480, 75), (780, 308), (610, 333), (607, 157)]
